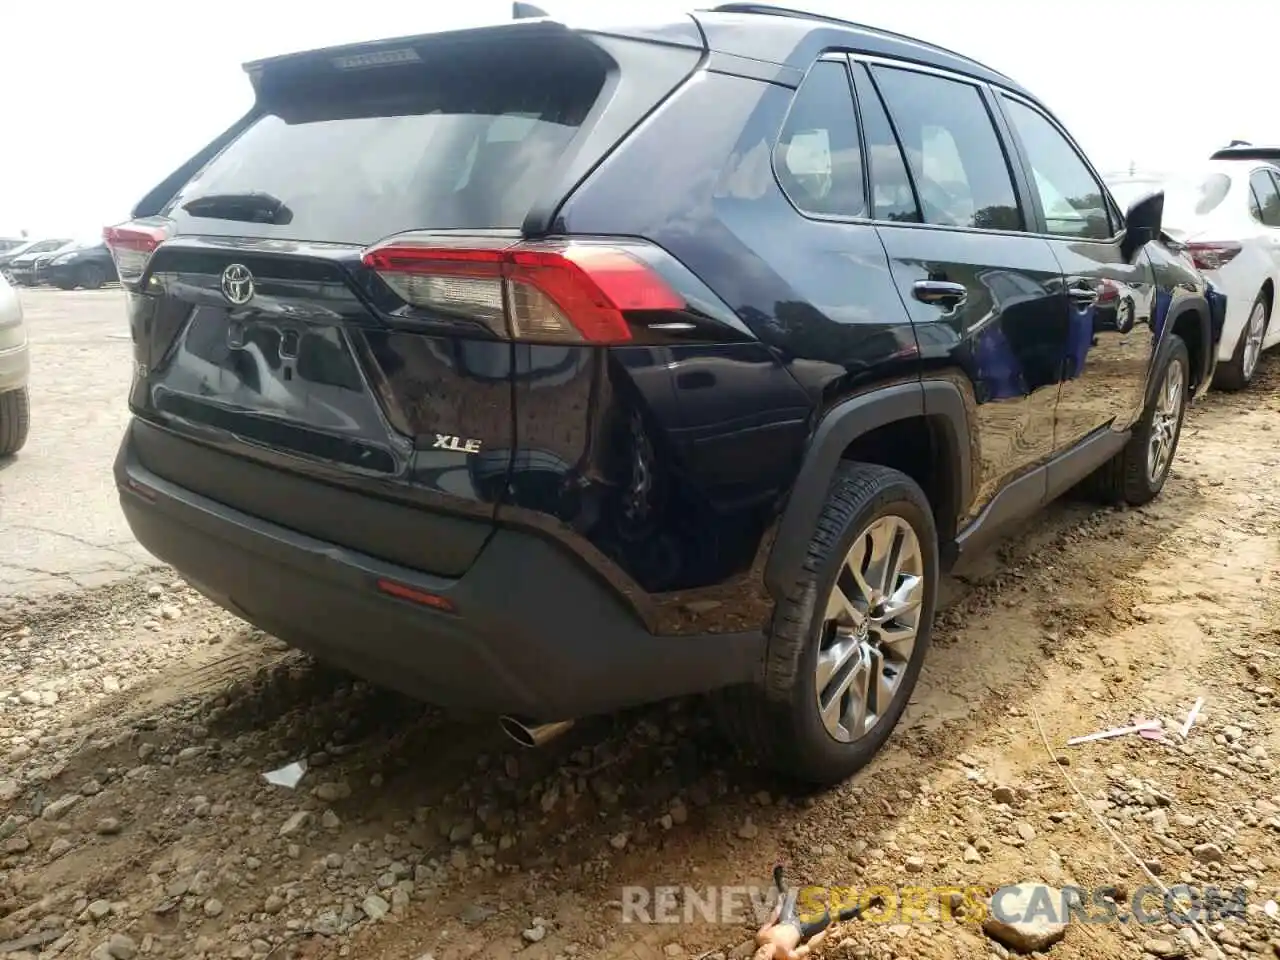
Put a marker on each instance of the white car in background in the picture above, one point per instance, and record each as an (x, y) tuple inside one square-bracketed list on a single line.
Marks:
[(1227, 213), (15, 408)]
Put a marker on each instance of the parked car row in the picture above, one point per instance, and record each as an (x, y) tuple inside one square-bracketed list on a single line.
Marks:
[(1226, 213), (59, 262)]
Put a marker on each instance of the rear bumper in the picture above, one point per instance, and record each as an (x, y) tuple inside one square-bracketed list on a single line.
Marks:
[(533, 632)]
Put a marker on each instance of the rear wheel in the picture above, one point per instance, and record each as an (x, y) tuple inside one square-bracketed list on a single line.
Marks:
[(92, 277), (1137, 474), (15, 421), (1237, 373), (846, 650)]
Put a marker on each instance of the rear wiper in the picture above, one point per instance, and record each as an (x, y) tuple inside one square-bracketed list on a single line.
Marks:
[(250, 207)]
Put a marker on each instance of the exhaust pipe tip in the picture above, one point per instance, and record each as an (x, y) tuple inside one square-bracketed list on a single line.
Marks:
[(530, 736)]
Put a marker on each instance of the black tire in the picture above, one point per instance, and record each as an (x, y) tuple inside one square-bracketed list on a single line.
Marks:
[(1231, 376), (15, 421), (777, 721), (1126, 478), (92, 277)]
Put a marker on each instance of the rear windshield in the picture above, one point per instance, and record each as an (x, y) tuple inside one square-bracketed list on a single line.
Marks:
[(1188, 197), (407, 147)]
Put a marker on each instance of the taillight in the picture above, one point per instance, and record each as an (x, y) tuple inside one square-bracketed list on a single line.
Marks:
[(563, 291), (1213, 256), (132, 244)]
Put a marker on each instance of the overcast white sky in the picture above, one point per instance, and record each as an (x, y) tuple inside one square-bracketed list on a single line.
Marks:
[(102, 100)]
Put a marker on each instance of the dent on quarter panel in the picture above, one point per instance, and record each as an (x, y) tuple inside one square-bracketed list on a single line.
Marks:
[(698, 180)]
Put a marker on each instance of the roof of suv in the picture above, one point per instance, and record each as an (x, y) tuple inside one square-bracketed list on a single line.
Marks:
[(795, 37), (779, 36)]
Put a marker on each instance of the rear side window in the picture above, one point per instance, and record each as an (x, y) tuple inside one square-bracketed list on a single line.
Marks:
[(817, 158), (892, 198), (355, 160), (961, 175), (1071, 198), (1267, 198)]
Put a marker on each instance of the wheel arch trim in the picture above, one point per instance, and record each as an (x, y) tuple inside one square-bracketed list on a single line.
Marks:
[(938, 401)]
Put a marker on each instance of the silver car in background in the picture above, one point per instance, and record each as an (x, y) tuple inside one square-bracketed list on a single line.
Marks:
[(15, 405)]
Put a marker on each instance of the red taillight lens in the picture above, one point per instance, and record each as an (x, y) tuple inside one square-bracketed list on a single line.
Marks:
[(131, 245), (1213, 256), (558, 291)]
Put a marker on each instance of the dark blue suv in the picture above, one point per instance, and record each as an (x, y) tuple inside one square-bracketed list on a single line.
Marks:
[(546, 371)]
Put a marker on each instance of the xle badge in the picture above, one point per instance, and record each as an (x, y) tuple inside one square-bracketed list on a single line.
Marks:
[(446, 442)]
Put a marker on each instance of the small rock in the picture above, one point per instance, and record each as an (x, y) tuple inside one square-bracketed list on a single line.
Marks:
[(121, 947), (59, 847), (59, 808), (296, 823), (534, 934), (1003, 794), (914, 865), (971, 855), (375, 908), (213, 907), (679, 812), (99, 909), (108, 827), (748, 830), (1161, 947), (1016, 918), (1207, 853), (9, 790), (274, 904), (618, 841), (110, 685), (1232, 733), (330, 820), (170, 611), (333, 792), (1025, 830)]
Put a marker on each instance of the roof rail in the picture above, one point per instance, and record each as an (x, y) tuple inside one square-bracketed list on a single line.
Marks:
[(765, 8)]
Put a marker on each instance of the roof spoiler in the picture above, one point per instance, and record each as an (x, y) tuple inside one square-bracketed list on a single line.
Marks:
[(1247, 151), (526, 11)]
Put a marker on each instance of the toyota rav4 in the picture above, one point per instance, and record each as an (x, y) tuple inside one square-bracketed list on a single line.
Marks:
[(545, 370)]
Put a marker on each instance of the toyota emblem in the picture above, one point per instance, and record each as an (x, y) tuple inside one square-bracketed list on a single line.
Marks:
[(237, 284)]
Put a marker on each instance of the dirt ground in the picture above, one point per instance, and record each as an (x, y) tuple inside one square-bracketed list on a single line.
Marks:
[(137, 721)]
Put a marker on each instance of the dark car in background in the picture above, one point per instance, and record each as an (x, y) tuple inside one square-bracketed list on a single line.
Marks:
[(88, 265), (547, 371)]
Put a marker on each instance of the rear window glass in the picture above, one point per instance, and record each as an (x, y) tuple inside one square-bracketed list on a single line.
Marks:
[(1188, 197), (416, 149)]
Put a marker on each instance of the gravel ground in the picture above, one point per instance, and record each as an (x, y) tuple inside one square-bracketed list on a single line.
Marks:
[(137, 721)]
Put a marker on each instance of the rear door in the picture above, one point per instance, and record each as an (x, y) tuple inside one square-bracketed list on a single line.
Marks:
[(1110, 301), (264, 332), (983, 294)]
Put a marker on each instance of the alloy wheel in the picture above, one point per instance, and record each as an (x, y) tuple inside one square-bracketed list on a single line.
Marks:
[(869, 628), (1254, 333), (1165, 419)]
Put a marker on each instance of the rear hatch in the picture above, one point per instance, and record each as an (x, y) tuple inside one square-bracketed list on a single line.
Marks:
[(285, 333)]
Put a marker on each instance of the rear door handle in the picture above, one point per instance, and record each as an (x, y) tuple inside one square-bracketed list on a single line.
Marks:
[(1082, 296), (939, 292)]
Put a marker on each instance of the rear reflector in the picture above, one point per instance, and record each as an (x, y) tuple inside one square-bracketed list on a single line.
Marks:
[(413, 595), (132, 244), (1213, 256), (560, 291)]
